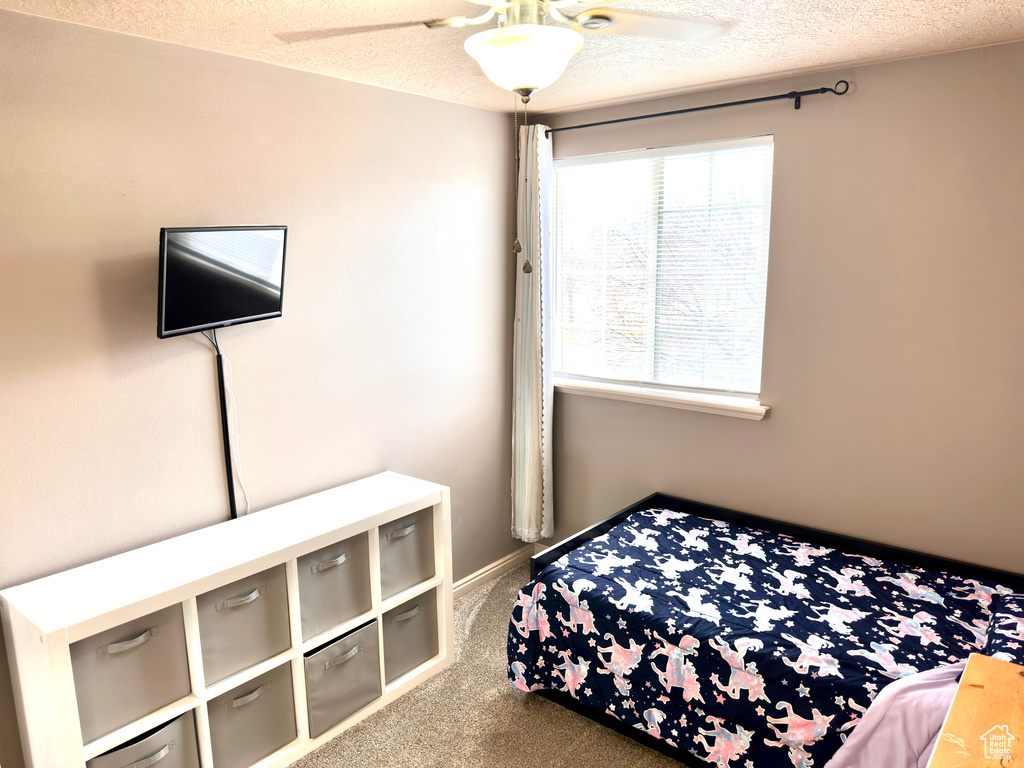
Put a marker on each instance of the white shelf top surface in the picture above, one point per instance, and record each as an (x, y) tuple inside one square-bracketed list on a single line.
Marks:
[(95, 589)]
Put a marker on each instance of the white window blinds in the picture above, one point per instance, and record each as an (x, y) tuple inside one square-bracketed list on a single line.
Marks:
[(660, 265)]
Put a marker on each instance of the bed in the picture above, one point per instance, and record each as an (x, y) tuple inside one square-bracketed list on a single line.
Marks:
[(730, 640)]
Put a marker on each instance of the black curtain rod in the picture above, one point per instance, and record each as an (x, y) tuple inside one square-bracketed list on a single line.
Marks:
[(795, 95)]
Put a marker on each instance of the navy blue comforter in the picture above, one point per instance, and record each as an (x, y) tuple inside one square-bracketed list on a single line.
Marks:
[(746, 648)]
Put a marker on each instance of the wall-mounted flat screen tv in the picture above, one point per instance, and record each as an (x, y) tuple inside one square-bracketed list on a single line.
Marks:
[(213, 277)]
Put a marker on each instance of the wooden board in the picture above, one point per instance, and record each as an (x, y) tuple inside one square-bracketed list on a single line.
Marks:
[(985, 724), (172, 570)]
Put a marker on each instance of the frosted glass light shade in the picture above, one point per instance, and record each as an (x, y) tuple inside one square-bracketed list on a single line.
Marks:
[(527, 56)]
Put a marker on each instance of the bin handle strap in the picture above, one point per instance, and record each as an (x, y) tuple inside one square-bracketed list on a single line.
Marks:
[(234, 602), (323, 565), (127, 645), (153, 759), (249, 698), (338, 660), (400, 532), (405, 616)]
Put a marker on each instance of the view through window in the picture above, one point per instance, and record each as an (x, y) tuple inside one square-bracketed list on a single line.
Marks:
[(660, 265)]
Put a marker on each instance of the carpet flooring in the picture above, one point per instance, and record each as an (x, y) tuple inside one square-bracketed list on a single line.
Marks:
[(469, 716)]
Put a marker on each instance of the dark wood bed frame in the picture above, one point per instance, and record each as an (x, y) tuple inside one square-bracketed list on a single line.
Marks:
[(804, 533)]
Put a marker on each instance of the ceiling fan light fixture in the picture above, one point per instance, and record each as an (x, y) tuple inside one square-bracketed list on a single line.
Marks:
[(594, 21), (524, 56)]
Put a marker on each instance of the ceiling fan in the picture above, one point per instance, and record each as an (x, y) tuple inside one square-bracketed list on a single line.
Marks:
[(534, 40)]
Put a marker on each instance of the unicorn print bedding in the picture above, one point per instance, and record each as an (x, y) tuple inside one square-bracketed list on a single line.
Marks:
[(742, 647)]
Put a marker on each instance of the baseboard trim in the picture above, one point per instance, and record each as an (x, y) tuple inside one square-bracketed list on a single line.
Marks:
[(488, 572)]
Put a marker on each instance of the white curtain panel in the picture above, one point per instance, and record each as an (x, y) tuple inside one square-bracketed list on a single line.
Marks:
[(532, 388)]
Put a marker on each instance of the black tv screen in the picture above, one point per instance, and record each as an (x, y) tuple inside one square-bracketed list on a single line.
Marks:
[(213, 277)]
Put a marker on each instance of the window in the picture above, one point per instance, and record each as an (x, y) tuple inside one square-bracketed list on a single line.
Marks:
[(660, 268)]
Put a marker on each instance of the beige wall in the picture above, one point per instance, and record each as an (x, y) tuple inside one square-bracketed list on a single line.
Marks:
[(393, 351), (894, 342)]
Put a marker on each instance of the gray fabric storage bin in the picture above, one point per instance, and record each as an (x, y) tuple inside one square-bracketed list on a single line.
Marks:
[(410, 635), (130, 671), (334, 585), (342, 678), (243, 623), (254, 720), (406, 552), (172, 745)]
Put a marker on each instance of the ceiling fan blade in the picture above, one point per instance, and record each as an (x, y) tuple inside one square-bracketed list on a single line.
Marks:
[(323, 34), (611, 21)]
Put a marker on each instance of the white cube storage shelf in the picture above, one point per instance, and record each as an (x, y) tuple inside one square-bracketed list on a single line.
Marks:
[(224, 628)]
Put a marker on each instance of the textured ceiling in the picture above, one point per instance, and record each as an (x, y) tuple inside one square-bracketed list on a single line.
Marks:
[(767, 38)]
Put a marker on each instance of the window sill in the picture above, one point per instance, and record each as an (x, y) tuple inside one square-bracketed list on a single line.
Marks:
[(723, 405)]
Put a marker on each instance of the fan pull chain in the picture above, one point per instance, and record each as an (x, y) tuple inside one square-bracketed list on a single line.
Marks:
[(517, 246)]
